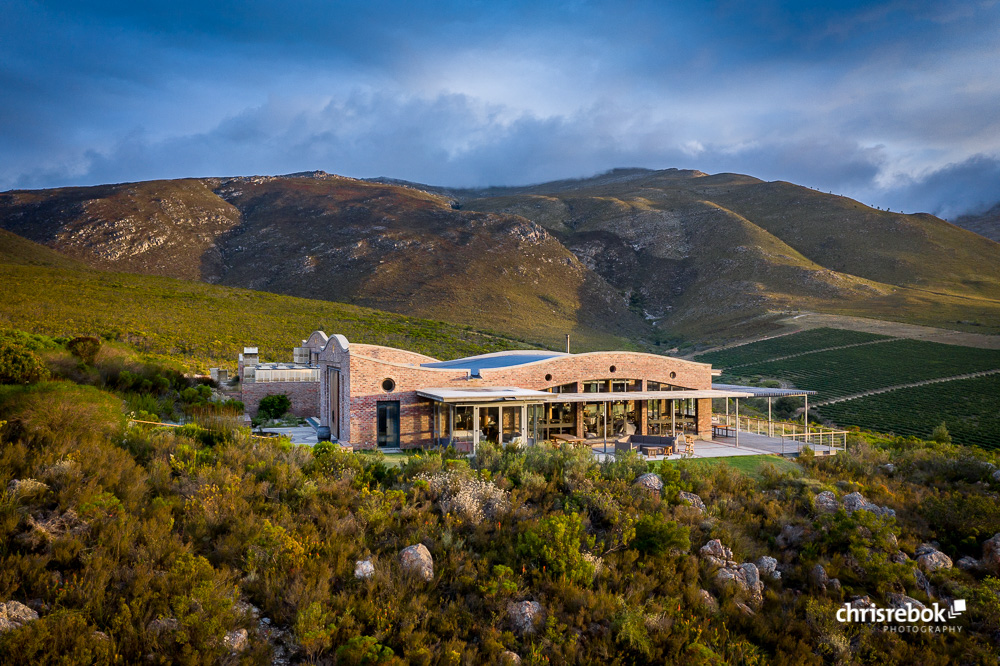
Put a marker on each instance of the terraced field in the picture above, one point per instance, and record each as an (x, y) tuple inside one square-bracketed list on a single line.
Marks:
[(787, 345), (969, 408)]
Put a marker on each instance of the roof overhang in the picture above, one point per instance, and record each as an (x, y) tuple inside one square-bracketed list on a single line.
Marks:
[(483, 394), (763, 392)]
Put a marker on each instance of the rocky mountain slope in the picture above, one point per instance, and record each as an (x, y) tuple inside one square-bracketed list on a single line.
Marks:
[(700, 256), (986, 223)]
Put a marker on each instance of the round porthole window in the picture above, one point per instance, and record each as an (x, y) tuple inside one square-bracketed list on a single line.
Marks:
[(673, 375), (548, 378), (613, 369), (388, 384)]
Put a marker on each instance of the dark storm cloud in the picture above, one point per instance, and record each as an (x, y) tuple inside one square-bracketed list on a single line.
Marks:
[(860, 98)]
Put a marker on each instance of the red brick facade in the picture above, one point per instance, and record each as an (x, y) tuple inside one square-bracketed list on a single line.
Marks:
[(363, 369), (304, 396)]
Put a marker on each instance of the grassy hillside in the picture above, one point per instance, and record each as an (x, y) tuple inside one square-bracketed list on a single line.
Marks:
[(197, 324), (336, 239), (202, 545)]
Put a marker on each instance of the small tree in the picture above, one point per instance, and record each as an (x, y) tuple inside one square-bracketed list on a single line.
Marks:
[(941, 434), (20, 365), (84, 348), (274, 406)]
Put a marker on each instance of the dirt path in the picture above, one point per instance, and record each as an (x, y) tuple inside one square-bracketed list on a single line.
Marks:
[(886, 389)]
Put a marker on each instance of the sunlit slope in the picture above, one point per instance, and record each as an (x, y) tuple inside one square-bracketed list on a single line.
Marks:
[(198, 324)]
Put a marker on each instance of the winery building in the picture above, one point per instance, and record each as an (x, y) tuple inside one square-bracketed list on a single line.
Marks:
[(372, 396)]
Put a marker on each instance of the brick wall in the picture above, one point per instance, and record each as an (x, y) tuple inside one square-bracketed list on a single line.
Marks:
[(304, 396)]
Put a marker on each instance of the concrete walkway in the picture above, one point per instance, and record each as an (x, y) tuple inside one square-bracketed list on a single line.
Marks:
[(302, 435)]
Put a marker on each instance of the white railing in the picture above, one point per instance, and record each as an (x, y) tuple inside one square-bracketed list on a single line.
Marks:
[(834, 440), (793, 436)]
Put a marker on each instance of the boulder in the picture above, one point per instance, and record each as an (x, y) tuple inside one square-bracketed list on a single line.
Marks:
[(819, 577), (744, 580), (996, 476), (365, 569), (708, 601), (862, 602), (524, 615), (716, 554), (790, 537), (510, 658), (746, 610), (857, 502), (768, 567), (903, 601), (969, 564), (650, 482), (825, 502), (899, 557), (14, 614), (991, 554), (418, 559), (236, 641), (692, 499), (888, 468), (834, 584), (930, 559)]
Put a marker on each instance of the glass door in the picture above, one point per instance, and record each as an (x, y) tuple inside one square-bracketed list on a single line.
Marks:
[(388, 424)]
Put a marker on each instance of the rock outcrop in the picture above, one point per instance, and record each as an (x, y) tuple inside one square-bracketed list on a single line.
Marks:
[(14, 614), (364, 569), (692, 499), (768, 567), (991, 554), (418, 560), (825, 502), (931, 559), (524, 615), (237, 641), (651, 483), (716, 554), (857, 502)]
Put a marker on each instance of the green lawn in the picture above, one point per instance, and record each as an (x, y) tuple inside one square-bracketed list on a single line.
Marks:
[(749, 465)]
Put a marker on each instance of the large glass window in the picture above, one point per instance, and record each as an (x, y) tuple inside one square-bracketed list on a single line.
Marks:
[(510, 423), (464, 425)]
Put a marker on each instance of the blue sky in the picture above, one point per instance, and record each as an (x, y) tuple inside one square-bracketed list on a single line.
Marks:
[(894, 103)]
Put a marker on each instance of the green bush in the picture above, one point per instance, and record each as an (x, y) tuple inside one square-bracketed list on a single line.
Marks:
[(274, 406), (20, 365), (85, 348), (655, 535)]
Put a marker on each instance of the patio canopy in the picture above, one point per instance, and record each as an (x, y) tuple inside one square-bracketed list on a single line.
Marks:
[(502, 393)]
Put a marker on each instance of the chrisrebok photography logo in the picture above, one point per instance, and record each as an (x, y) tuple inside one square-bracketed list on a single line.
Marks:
[(906, 618)]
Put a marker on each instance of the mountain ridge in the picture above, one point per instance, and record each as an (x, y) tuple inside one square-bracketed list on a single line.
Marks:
[(629, 255)]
